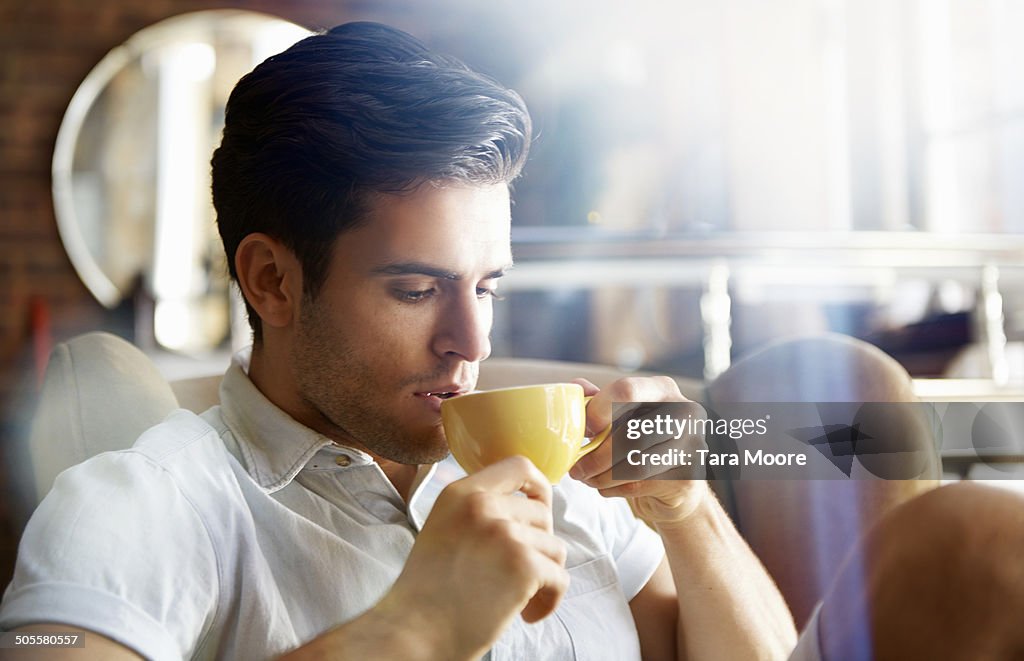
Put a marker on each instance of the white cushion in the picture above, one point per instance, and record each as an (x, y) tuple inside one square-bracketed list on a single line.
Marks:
[(99, 393)]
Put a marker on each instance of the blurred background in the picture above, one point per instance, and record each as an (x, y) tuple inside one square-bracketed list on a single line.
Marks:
[(707, 177)]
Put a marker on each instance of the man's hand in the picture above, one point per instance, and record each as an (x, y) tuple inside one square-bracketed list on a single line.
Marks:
[(661, 502), (485, 554), (717, 601)]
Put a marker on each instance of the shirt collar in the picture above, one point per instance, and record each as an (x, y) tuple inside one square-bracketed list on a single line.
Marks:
[(274, 446)]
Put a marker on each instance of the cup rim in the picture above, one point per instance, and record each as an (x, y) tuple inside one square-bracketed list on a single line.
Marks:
[(511, 388)]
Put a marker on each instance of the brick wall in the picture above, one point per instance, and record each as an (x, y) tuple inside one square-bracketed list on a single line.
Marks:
[(47, 47)]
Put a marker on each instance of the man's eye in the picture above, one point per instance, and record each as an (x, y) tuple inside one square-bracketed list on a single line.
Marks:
[(414, 296), (486, 292)]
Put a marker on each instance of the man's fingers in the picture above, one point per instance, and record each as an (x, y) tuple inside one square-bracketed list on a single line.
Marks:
[(529, 511), (496, 493), (597, 461), (644, 389), (544, 543), (543, 603), (554, 581), (511, 475), (631, 389), (588, 387), (632, 394)]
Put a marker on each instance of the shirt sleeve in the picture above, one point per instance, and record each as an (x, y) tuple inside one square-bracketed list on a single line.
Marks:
[(636, 549), (118, 549)]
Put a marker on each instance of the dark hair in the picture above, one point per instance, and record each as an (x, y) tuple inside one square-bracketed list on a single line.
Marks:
[(313, 132)]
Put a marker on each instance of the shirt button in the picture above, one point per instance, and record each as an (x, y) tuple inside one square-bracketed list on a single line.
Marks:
[(342, 460)]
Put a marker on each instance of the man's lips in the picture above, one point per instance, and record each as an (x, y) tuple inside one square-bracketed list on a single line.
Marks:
[(443, 392), (435, 396)]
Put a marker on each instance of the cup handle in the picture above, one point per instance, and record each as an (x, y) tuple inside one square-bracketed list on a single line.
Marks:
[(595, 441)]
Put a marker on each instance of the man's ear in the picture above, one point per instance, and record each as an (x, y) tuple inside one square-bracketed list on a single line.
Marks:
[(270, 277)]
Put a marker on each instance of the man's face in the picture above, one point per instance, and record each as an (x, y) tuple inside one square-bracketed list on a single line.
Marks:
[(403, 319)]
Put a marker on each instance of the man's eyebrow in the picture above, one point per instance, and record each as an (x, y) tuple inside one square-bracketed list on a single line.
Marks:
[(499, 272), (419, 268)]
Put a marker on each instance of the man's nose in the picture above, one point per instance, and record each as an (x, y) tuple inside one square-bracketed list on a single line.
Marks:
[(465, 329)]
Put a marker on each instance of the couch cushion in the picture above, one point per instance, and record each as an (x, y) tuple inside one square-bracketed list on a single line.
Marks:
[(99, 393)]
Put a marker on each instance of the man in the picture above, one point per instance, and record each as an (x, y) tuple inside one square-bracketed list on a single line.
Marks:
[(362, 194)]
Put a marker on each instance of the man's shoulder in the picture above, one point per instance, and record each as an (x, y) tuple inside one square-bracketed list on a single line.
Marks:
[(182, 453), (181, 434), (178, 471)]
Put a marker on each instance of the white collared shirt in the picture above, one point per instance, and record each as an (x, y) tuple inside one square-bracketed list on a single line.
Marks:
[(242, 534)]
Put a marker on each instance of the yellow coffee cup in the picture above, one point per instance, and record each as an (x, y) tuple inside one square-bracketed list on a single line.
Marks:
[(546, 423)]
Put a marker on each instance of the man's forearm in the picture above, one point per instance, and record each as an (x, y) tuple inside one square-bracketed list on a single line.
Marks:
[(728, 605), (383, 632)]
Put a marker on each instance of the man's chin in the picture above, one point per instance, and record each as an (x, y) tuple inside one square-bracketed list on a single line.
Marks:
[(419, 449), (419, 458)]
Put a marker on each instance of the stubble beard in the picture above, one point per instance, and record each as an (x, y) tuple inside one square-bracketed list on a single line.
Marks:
[(342, 386)]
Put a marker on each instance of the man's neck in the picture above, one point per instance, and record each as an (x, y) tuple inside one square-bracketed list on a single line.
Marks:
[(401, 476), (277, 385)]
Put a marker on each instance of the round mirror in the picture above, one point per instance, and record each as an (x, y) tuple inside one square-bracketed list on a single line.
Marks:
[(131, 173)]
